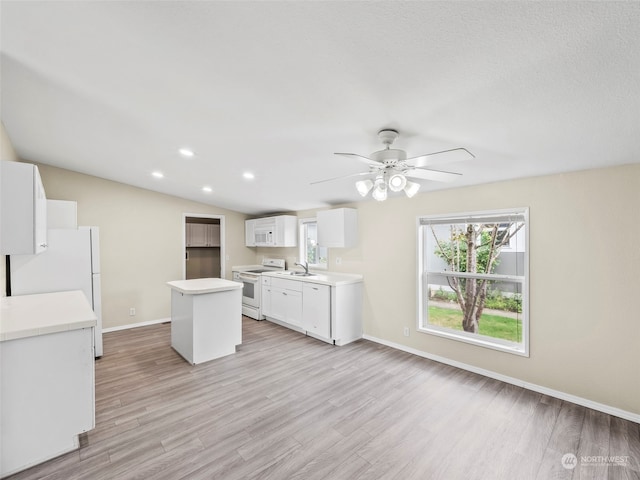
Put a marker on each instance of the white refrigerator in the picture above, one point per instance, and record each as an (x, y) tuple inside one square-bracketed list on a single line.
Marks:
[(71, 262)]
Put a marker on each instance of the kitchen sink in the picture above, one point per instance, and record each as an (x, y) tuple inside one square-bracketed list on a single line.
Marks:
[(298, 274)]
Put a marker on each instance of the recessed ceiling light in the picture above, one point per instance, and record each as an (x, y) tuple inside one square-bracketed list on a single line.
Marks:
[(158, 174), (185, 152), (248, 175), (207, 189)]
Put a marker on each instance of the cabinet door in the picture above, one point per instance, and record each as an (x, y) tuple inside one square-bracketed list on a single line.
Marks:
[(213, 235), (23, 210), (316, 309), (40, 418), (40, 213), (338, 227), (198, 235), (265, 301), (188, 234), (286, 305), (278, 305), (249, 237), (294, 308), (286, 231)]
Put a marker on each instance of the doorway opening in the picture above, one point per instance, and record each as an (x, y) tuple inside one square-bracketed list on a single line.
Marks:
[(203, 246)]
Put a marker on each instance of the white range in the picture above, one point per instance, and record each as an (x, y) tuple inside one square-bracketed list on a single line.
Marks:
[(249, 276)]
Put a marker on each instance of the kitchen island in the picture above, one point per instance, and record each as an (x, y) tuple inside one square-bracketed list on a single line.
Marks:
[(206, 318), (47, 382)]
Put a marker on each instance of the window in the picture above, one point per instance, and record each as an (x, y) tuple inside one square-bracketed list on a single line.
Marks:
[(473, 277), (309, 249)]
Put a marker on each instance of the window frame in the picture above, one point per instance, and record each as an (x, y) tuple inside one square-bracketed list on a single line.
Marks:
[(423, 326), (302, 244)]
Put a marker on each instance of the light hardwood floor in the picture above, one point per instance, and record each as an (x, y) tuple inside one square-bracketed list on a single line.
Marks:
[(286, 406)]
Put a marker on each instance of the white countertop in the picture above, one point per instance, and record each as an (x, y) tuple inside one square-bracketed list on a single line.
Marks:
[(31, 315), (198, 286), (324, 278)]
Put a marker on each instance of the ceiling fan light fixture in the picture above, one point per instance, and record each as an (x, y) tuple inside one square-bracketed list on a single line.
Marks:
[(380, 191), (397, 182), (364, 187), (411, 188)]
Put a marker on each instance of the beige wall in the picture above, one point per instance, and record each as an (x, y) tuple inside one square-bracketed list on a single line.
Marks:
[(9, 154), (141, 241), (584, 280)]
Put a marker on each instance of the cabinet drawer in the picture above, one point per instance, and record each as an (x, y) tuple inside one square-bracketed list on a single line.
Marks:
[(265, 280), (286, 284)]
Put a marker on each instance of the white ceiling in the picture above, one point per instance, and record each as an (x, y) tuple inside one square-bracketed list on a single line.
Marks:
[(114, 89)]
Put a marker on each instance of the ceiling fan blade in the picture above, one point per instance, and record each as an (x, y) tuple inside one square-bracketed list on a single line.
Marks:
[(435, 175), (366, 160), (341, 177), (453, 155)]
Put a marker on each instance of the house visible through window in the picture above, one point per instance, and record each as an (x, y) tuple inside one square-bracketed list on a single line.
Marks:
[(473, 278), (309, 249)]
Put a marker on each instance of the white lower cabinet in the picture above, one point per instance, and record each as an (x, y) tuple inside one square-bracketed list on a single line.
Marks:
[(47, 397), (265, 297), (285, 303), (332, 313), (316, 310)]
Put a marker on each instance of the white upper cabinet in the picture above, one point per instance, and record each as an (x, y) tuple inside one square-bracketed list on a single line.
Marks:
[(338, 228), (249, 237), (62, 214), (23, 210), (286, 231)]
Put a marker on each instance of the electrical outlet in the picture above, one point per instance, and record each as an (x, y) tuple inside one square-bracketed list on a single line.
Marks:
[(406, 331), (338, 260), (132, 312)]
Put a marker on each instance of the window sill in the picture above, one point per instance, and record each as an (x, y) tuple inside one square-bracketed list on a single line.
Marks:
[(478, 340)]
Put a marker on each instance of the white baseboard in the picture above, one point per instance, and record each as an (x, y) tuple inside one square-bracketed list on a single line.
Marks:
[(136, 325), (617, 412)]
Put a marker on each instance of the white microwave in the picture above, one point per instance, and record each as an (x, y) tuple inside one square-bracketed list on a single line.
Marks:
[(264, 236)]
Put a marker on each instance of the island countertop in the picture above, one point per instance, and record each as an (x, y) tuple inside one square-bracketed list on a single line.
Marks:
[(43, 313), (199, 286)]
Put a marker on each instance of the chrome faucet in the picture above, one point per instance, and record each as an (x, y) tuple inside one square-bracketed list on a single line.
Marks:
[(304, 265)]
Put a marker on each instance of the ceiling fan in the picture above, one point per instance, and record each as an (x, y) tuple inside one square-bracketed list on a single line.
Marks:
[(391, 168)]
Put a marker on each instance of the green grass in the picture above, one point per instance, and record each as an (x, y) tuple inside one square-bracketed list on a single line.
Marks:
[(493, 326)]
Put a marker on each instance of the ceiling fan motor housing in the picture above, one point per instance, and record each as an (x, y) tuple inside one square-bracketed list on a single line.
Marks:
[(389, 156)]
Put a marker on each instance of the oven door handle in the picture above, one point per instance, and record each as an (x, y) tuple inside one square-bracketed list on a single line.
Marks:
[(248, 279)]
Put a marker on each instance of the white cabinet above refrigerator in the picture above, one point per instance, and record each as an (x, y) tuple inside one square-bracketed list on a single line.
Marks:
[(62, 214), (23, 210)]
